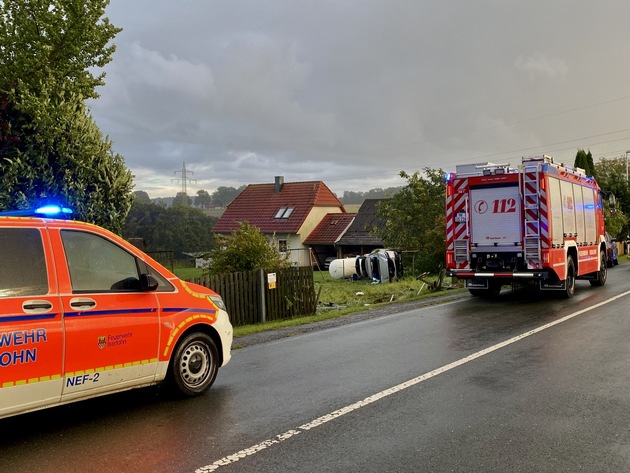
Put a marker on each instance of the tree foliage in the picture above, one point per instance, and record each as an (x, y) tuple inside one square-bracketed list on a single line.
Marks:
[(182, 200), (246, 249), (178, 228), (203, 199), (584, 160), (415, 220), (141, 197), (352, 197), (223, 196), (611, 177), (50, 146)]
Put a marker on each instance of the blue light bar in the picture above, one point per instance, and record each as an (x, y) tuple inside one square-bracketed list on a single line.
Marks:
[(47, 211), (51, 210)]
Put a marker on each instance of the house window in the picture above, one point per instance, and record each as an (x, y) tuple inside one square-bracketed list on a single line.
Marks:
[(284, 212), (282, 246)]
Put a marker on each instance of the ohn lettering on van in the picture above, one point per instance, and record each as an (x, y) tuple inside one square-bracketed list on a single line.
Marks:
[(12, 346)]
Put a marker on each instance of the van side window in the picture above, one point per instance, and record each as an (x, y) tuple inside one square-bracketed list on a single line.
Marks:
[(22, 263), (98, 265)]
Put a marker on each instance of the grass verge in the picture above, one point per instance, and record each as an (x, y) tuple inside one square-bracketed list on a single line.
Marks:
[(338, 298)]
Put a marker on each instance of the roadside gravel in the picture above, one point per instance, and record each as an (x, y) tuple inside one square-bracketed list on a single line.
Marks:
[(370, 313)]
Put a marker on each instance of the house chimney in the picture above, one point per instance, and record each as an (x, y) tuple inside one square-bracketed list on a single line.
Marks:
[(279, 183)]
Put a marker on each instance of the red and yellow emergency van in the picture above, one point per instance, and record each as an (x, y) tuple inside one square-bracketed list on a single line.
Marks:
[(84, 313)]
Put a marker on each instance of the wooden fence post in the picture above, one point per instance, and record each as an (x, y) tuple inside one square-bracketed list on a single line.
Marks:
[(263, 289)]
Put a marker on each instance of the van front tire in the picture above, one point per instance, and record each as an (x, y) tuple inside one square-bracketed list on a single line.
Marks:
[(194, 365)]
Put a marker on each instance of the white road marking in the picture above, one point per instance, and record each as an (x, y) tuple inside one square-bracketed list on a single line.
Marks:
[(388, 392)]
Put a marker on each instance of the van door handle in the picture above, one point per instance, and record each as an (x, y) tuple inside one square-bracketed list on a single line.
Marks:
[(82, 303), (36, 307)]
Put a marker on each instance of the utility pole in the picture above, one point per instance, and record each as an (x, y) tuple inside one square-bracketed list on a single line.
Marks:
[(184, 179)]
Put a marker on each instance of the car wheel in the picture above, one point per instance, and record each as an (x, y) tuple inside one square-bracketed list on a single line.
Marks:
[(194, 365)]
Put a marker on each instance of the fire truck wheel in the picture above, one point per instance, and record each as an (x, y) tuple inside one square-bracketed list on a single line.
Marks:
[(602, 274), (570, 281), (194, 365)]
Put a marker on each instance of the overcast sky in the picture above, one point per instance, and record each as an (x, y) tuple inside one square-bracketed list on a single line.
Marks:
[(351, 92)]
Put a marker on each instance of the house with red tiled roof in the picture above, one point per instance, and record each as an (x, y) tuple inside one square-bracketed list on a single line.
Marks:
[(287, 213)]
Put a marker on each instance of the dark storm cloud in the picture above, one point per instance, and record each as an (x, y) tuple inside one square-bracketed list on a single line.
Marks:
[(352, 92)]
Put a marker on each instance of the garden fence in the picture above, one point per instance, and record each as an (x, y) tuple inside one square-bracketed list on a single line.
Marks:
[(251, 298)]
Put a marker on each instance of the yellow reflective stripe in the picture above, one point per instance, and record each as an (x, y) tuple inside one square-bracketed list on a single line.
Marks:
[(127, 364), (21, 382), (182, 325)]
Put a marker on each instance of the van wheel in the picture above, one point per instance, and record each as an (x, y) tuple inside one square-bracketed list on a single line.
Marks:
[(570, 281), (194, 365), (602, 274)]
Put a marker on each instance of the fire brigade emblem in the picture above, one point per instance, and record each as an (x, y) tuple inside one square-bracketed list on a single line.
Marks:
[(102, 342)]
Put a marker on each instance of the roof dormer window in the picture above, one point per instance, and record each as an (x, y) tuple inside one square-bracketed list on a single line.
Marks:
[(284, 212)]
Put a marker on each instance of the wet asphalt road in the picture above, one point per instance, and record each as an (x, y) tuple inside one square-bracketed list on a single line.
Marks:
[(471, 385)]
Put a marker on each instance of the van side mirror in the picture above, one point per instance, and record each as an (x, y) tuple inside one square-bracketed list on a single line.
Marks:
[(148, 283)]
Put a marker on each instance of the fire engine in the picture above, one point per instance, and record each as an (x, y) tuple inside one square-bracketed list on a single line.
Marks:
[(541, 222)]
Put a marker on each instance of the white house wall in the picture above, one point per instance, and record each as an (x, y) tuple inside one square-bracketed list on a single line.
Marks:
[(298, 253)]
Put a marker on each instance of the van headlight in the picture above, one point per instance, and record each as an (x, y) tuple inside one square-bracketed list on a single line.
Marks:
[(218, 301)]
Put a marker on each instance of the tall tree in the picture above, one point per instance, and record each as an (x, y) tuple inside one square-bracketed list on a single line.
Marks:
[(203, 199), (142, 197), (585, 161), (223, 196), (611, 177), (182, 200), (50, 146)]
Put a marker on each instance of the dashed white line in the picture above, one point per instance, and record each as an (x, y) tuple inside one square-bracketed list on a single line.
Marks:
[(388, 392)]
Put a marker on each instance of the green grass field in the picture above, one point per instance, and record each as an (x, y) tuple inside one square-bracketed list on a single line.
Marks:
[(339, 297)]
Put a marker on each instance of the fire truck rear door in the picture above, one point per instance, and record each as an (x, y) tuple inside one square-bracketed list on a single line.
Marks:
[(495, 217)]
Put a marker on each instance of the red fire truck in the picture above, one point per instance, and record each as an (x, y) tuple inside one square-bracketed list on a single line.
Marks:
[(542, 222)]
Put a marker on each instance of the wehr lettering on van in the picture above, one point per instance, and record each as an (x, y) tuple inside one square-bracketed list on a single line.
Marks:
[(11, 343)]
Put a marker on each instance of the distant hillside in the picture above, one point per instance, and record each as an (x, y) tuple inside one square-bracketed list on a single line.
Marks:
[(349, 198), (352, 208)]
